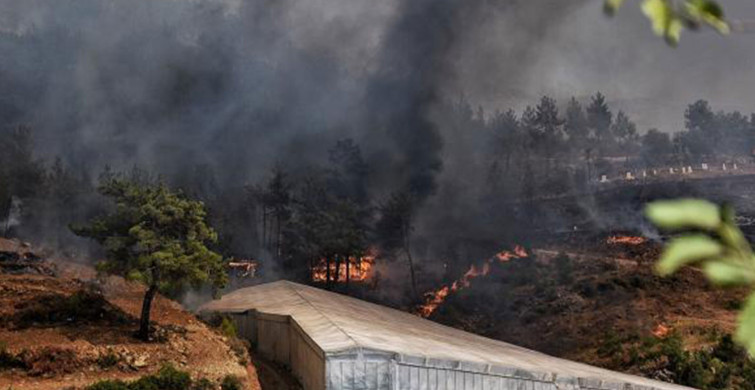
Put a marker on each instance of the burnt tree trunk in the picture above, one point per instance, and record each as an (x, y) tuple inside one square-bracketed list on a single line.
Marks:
[(348, 274), (406, 228), (338, 269), (327, 270), (149, 296), (278, 235)]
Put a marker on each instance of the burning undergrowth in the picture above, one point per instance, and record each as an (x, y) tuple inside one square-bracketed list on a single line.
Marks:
[(435, 298), (563, 300)]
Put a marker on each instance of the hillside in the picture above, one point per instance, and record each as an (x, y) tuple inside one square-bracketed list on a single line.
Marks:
[(60, 327), (602, 304)]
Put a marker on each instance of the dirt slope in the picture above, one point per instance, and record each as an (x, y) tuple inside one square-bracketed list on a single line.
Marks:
[(68, 331)]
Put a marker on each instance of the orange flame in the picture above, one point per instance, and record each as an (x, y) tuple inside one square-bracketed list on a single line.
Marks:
[(360, 269), (661, 331), (433, 299), (628, 240)]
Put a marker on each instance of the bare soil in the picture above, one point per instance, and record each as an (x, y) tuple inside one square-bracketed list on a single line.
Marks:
[(71, 330)]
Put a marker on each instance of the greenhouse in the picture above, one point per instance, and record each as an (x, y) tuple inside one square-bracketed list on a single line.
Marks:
[(332, 341)]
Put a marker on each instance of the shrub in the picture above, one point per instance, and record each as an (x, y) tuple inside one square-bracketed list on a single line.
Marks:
[(564, 268), (9, 360), (725, 365), (228, 328), (52, 360), (82, 306), (108, 360), (203, 384), (109, 385), (168, 378), (231, 382)]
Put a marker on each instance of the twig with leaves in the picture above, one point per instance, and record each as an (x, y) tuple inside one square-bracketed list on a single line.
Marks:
[(670, 17), (710, 238)]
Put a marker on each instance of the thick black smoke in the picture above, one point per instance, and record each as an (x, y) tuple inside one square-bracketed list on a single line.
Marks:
[(242, 86), (218, 92)]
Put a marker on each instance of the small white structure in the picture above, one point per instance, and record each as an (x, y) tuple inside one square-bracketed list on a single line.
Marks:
[(630, 176), (331, 341), (689, 169), (724, 167), (671, 171), (735, 166), (684, 170), (644, 174), (655, 172), (603, 179), (705, 166)]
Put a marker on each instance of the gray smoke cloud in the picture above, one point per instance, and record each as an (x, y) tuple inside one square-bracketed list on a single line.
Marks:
[(240, 86), (245, 84), (579, 52)]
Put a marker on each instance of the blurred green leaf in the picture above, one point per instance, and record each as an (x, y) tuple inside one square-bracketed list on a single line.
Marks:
[(746, 331), (733, 237), (684, 213), (720, 271), (687, 250), (709, 12), (660, 14), (611, 6), (674, 30)]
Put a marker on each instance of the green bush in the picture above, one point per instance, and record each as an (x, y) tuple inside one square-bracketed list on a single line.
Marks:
[(228, 328), (203, 384), (109, 385), (564, 268), (725, 365), (108, 360), (231, 382), (84, 306), (168, 378), (9, 360)]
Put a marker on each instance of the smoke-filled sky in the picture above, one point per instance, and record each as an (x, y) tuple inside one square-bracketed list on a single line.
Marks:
[(251, 83), (513, 58)]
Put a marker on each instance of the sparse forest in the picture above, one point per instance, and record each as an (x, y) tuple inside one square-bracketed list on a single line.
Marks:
[(316, 223)]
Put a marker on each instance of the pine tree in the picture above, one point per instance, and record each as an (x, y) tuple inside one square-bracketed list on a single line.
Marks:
[(155, 236)]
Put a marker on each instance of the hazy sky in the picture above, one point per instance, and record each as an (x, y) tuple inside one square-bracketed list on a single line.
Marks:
[(581, 51), (336, 65)]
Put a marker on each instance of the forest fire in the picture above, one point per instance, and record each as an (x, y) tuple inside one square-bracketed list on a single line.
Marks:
[(627, 240), (359, 269), (434, 299)]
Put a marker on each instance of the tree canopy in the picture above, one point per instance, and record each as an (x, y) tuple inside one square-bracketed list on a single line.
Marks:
[(155, 236)]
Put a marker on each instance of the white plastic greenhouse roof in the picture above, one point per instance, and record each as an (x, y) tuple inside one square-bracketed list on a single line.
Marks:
[(339, 324)]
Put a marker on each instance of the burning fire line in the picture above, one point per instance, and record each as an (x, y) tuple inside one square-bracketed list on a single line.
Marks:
[(628, 240), (435, 298)]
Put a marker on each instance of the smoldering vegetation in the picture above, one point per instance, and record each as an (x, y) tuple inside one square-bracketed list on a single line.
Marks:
[(318, 131)]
